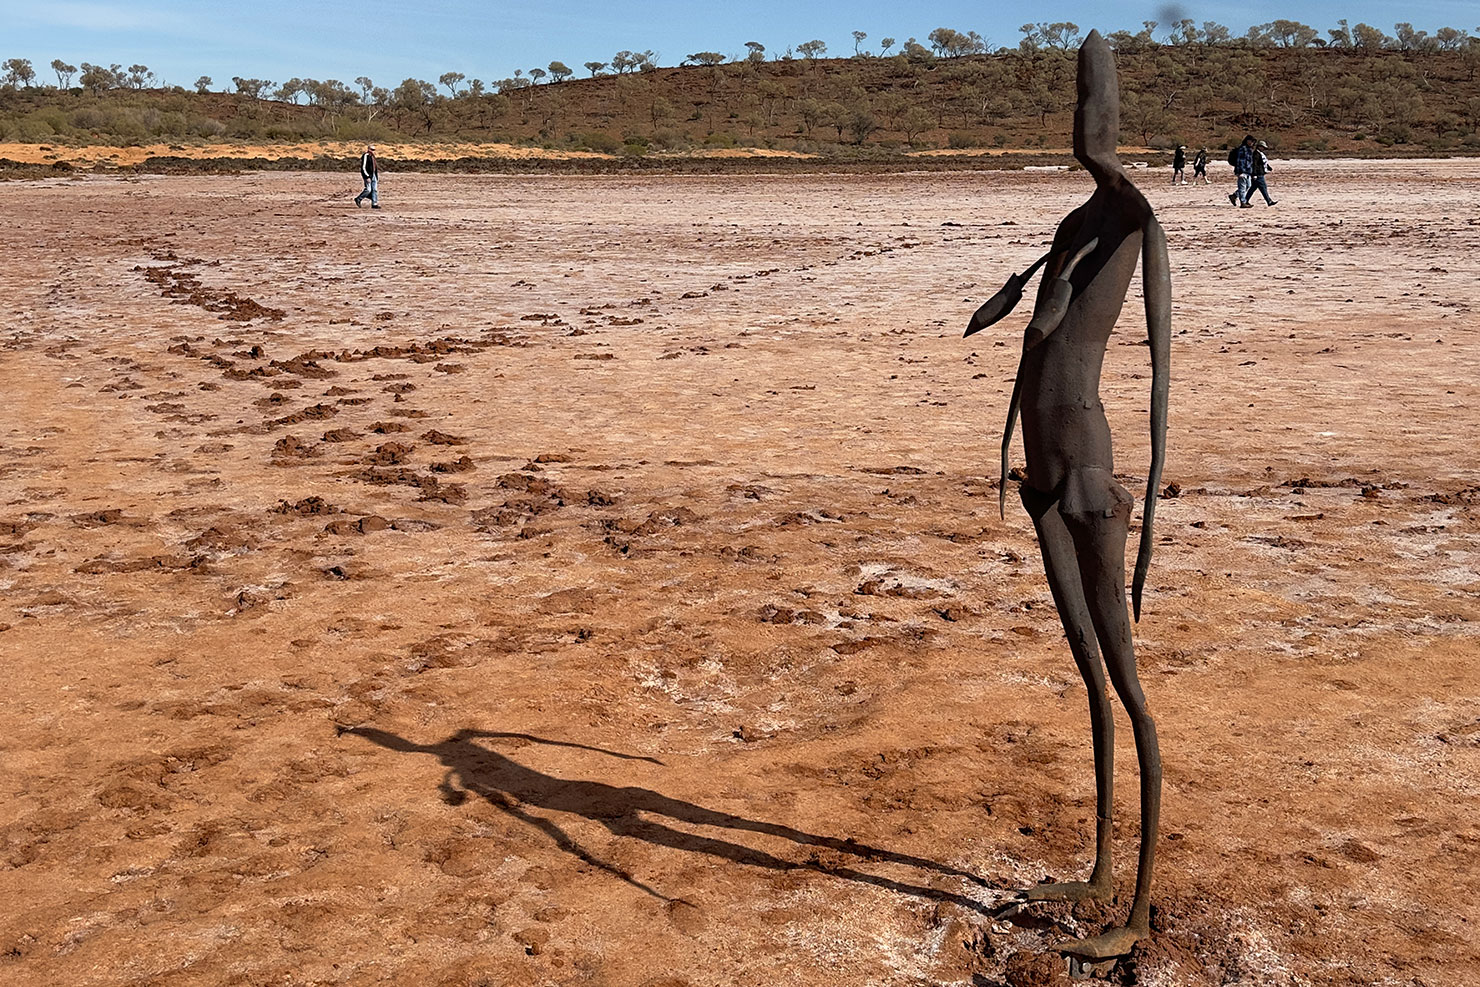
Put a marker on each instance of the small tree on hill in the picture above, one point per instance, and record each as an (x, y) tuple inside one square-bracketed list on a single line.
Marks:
[(705, 58), (1063, 35), (950, 43), (858, 39), (1450, 39), (96, 78), (367, 86), (885, 44), (203, 84), (559, 71), (812, 50), (537, 74), (1412, 40), (1292, 34), (64, 73), (595, 67), (415, 96), (139, 76), (18, 72), (810, 110), (756, 53), (250, 88), (1367, 37), (451, 81), (915, 121), (861, 122), (1184, 32)]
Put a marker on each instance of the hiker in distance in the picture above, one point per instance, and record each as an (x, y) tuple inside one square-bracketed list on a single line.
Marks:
[(371, 175), (1200, 166), (1242, 158), (1256, 181)]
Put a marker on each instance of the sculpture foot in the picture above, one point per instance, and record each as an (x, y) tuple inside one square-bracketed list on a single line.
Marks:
[(1068, 891), (1106, 945)]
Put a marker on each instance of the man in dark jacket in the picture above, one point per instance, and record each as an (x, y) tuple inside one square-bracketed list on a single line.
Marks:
[(371, 175), (1179, 165), (1243, 167)]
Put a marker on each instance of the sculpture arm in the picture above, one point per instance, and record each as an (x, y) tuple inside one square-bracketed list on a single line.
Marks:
[(995, 308), (1012, 414), (1060, 292), (1157, 287)]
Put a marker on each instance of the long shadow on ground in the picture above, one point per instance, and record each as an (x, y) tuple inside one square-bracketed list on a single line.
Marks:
[(514, 789)]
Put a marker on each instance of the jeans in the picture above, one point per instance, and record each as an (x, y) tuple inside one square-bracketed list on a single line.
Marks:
[(371, 191), (1257, 182), (1245, 188)]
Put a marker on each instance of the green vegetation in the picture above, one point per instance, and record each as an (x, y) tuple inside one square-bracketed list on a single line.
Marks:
[(1353, 90)]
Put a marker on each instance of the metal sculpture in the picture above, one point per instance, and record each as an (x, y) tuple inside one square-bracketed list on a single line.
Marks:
[(1081, 514)]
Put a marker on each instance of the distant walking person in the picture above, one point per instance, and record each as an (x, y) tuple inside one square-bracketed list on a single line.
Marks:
[(1200, 165), (371, 174), (1242, 159), (1179, 165), (1256, 181)]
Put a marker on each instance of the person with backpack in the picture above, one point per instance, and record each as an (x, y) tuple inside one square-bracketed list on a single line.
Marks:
[(1256, 181), (1242, 159), (1200, 165), (371, 175), (1179, 165)]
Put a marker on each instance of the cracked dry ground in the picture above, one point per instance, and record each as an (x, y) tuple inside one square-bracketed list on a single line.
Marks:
[(645, 532)]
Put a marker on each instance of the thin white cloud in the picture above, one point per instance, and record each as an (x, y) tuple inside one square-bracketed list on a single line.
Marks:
[(88, 16)]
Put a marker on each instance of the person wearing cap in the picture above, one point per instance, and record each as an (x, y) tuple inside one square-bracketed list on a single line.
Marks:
[(1200, 165), (1242, 159), (1179, 165), (1256, 181), (371, 175)]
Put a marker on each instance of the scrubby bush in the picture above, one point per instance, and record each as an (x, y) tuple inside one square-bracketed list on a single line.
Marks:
[(597, 141)]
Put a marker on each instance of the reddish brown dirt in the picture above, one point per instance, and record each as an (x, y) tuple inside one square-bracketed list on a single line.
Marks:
[(645, 531)]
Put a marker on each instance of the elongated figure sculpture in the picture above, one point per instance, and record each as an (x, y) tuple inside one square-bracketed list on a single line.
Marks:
[(1081, 514)]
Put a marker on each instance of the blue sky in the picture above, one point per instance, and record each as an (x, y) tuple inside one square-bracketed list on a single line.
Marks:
[(390, 40)]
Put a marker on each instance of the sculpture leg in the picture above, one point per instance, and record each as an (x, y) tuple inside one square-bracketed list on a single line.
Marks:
[(1062, 570), (1099, 543)]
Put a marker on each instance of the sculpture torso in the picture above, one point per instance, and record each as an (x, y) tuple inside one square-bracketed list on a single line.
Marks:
[(1063, 420)]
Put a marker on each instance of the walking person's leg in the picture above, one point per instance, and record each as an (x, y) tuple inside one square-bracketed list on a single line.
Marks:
[(374, 187), (1263, 190)]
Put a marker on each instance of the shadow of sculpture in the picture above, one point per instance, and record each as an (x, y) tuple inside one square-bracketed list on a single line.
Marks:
[(628, 811)]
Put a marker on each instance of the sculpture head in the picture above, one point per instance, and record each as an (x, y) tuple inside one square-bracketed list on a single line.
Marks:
[(1097, 115)]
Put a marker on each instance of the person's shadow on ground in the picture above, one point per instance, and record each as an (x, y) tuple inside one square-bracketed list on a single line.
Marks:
[(514, 789)]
